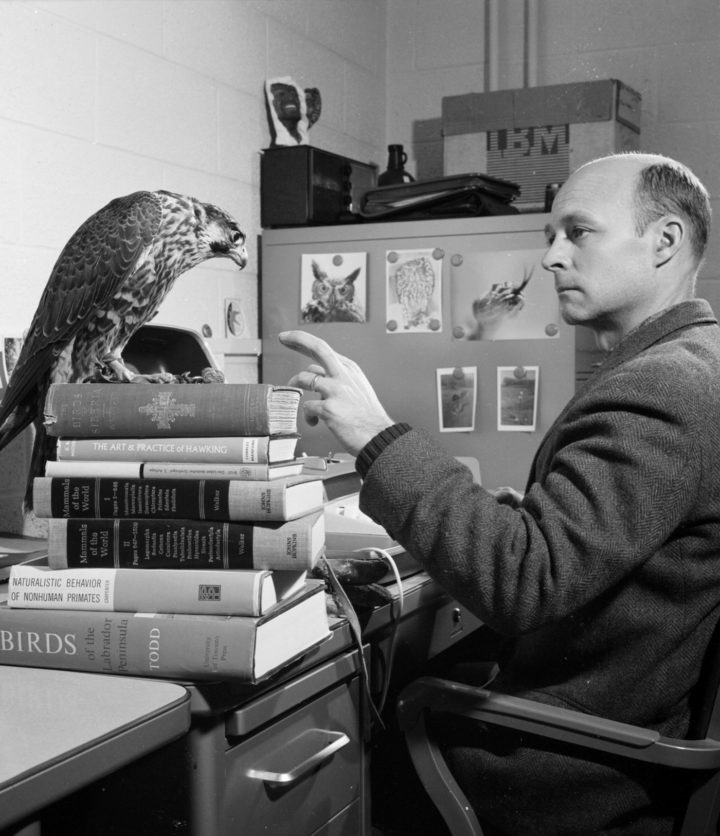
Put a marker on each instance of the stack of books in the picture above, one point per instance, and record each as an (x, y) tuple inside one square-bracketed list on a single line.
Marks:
[(196, 572)]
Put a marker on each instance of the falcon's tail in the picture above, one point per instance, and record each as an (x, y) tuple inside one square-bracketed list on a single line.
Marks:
[(44, 447), (18, 414), (24, 396), (12, 424)]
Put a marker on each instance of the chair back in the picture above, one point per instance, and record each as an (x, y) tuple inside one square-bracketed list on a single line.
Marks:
[(705, 701), (473, 465), (168, 348)]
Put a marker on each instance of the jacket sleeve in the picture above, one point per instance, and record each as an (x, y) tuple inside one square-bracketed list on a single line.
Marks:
[(620, 473)]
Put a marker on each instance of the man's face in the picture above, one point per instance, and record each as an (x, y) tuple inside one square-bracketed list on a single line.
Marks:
[(603, 270)]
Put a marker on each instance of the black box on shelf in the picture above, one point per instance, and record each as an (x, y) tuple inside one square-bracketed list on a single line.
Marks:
[(301, 185)]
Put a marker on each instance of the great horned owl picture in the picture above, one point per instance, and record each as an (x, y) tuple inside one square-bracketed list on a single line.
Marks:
[(335, 292), (414, 292)]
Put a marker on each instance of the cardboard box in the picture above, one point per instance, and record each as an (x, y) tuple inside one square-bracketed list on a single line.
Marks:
[(533, 136)]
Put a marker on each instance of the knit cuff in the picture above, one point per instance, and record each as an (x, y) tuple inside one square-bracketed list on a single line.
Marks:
[(376, 445)]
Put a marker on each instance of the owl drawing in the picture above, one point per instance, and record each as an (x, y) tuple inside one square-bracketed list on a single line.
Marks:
[(333, 298), (414, 283)]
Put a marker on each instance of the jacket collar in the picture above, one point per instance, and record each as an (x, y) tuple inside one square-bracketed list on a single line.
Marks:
[(658, 327)]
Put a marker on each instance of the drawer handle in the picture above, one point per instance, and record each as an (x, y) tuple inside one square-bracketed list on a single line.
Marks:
[(330, 743)]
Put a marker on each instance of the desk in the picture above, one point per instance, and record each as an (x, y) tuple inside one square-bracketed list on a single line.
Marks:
[(204, 784), (61, 730)]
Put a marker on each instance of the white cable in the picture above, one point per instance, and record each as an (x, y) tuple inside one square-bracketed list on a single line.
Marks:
[(387, 557)]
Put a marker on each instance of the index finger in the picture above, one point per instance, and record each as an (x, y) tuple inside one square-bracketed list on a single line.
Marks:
[(314, 348)]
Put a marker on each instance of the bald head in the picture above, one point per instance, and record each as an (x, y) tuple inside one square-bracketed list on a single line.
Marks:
[(625, 237), (662, 187)]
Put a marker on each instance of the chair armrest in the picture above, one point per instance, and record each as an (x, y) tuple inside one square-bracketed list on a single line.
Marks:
[(575, 727)]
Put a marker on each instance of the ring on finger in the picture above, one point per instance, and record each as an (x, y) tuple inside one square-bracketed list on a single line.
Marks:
[(314, 382)]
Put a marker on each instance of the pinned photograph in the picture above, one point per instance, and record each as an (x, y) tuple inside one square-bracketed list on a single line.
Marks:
[(457, 399), (333, 287), (502, 296), (414, 291), (517, 397)]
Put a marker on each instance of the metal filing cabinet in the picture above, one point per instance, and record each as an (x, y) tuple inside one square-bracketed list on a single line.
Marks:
[(228, 775), (313, 720)]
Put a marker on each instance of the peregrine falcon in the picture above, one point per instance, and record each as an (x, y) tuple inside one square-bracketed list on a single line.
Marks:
[(109, 279)]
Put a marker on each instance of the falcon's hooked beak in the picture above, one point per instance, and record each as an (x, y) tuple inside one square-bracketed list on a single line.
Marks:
[(232, 247), (238, 254)]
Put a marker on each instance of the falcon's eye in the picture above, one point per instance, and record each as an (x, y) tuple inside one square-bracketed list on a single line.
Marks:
[(237, 236)]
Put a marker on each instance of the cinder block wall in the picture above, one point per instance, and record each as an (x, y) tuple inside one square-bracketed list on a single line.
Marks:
[(100, 98), (669, 52)]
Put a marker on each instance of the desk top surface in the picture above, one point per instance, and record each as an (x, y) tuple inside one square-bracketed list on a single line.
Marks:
[(60, 729)]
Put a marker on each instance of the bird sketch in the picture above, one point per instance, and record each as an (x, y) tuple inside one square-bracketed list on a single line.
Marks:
[(109, 279), (494, 307), (414, 285), (332, 298)]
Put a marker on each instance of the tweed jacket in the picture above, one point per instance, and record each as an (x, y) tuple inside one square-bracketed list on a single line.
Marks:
[(606, 580)]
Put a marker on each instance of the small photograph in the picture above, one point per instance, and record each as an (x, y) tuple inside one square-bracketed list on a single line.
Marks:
[(517, 397), (502, 296), (414, 291), (333, 287), (457, 398)]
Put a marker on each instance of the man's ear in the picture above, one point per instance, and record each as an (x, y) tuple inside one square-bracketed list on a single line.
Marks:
[(670, 236)]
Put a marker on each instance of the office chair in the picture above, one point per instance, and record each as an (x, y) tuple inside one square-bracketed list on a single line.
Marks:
[(699, 752)]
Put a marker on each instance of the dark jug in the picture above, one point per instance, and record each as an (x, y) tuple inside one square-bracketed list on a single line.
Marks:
[(396, 168)]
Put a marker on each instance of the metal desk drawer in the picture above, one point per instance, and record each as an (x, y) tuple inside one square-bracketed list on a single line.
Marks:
[(258, 798)]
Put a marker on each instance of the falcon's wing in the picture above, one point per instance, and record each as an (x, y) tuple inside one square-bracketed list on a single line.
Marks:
[(91, 267)]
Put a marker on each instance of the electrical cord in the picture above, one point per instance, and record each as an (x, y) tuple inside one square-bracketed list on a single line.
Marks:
[(348, 611), (396, 617), (351, 615)]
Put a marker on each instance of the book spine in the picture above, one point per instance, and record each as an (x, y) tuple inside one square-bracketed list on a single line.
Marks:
[(158, 645), (190, 470), (109, 410), (228, 449), (201, 499), (113, 470), (163, 470), (184, 544), (161, 590), (168, 645)]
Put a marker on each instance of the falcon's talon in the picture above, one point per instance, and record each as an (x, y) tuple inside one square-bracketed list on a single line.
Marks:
[(155, 377)]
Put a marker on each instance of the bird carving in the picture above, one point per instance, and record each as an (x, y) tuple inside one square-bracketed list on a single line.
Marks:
[(109, 279), (414, 284)]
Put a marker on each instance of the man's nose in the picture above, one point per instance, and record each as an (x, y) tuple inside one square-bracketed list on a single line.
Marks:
[(556, 256)]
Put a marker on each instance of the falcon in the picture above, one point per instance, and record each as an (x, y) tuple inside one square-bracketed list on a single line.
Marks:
[(109, 279)]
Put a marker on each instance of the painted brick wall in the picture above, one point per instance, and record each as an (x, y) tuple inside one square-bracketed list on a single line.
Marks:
[(100, 98), (669, 52)]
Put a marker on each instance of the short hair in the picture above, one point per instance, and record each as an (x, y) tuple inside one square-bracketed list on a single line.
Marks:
[(667, 187)]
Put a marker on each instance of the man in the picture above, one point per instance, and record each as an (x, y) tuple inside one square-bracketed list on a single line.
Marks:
[(605, 575)]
